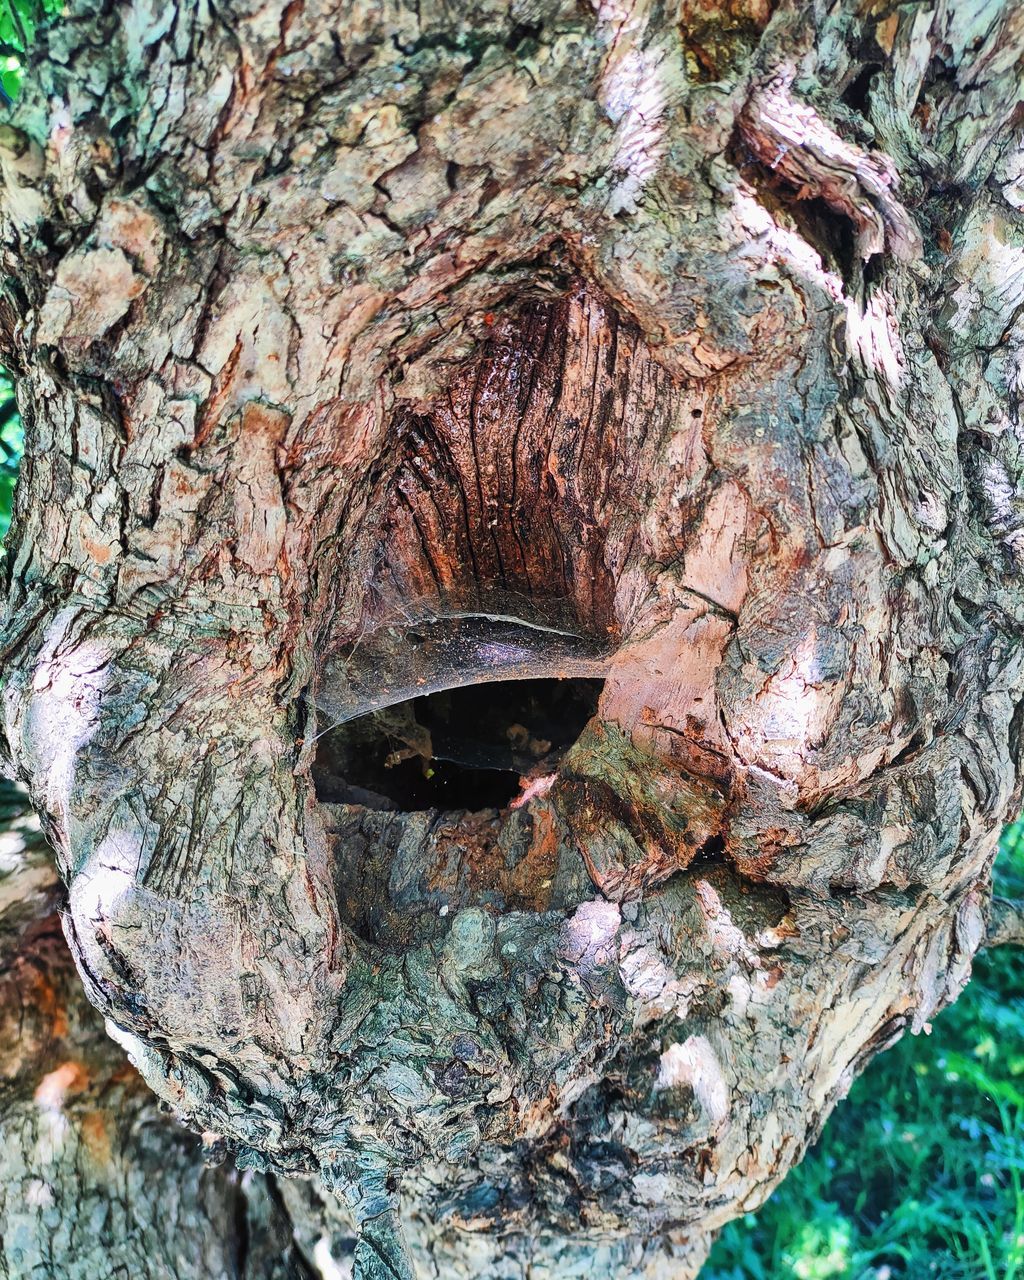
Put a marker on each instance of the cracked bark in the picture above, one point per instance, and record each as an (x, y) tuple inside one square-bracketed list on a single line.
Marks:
[(364, 356), (95, 1181)]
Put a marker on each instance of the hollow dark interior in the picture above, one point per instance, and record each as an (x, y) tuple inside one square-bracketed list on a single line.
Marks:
[(465, 748)]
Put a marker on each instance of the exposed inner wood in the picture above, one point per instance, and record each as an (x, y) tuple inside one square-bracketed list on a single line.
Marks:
[(506, 522), (525, 482), (508, 536)]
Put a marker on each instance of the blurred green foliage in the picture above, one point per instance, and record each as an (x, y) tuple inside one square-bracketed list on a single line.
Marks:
[(18, 22), (11, 444), (920, 1172), (10, 74), (19, 19)]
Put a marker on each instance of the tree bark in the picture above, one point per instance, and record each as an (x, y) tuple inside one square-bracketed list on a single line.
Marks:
[(368, 354), (95, 1182)]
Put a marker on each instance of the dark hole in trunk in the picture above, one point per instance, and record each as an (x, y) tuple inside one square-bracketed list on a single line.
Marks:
[(856, 93), (464, 748)]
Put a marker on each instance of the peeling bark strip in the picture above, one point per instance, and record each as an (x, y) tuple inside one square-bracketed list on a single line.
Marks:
[(370, 362), (792, 141)]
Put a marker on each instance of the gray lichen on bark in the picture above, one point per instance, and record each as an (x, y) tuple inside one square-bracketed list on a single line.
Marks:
[(683, 342)]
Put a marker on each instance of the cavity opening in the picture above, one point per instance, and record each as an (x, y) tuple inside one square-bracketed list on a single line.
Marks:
[(467, 748)]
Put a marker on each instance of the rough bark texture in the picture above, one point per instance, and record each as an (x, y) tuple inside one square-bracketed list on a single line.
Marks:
[(367, 351), (96, 1183)]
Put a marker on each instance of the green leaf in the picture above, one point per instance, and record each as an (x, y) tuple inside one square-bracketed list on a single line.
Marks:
[(12, 444), (18, 22)]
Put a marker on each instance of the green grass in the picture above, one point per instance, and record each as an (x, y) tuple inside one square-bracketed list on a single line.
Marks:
[(920, 1172)]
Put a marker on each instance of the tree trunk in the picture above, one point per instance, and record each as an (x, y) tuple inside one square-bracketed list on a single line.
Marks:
[(654, 375), (95, 1183)]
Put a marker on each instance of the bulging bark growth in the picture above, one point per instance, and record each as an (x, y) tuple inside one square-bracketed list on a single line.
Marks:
[(513, 616), (95, 1182)]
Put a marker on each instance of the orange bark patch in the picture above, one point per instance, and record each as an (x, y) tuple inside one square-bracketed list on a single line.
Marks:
[(68, 1079), (127, 226), (725, 12), (223, 390), (92, 291), (48, 1001), (100, 552), (531, 879), (715, 32), (885, 32), (96, 1137), (259, 507)]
